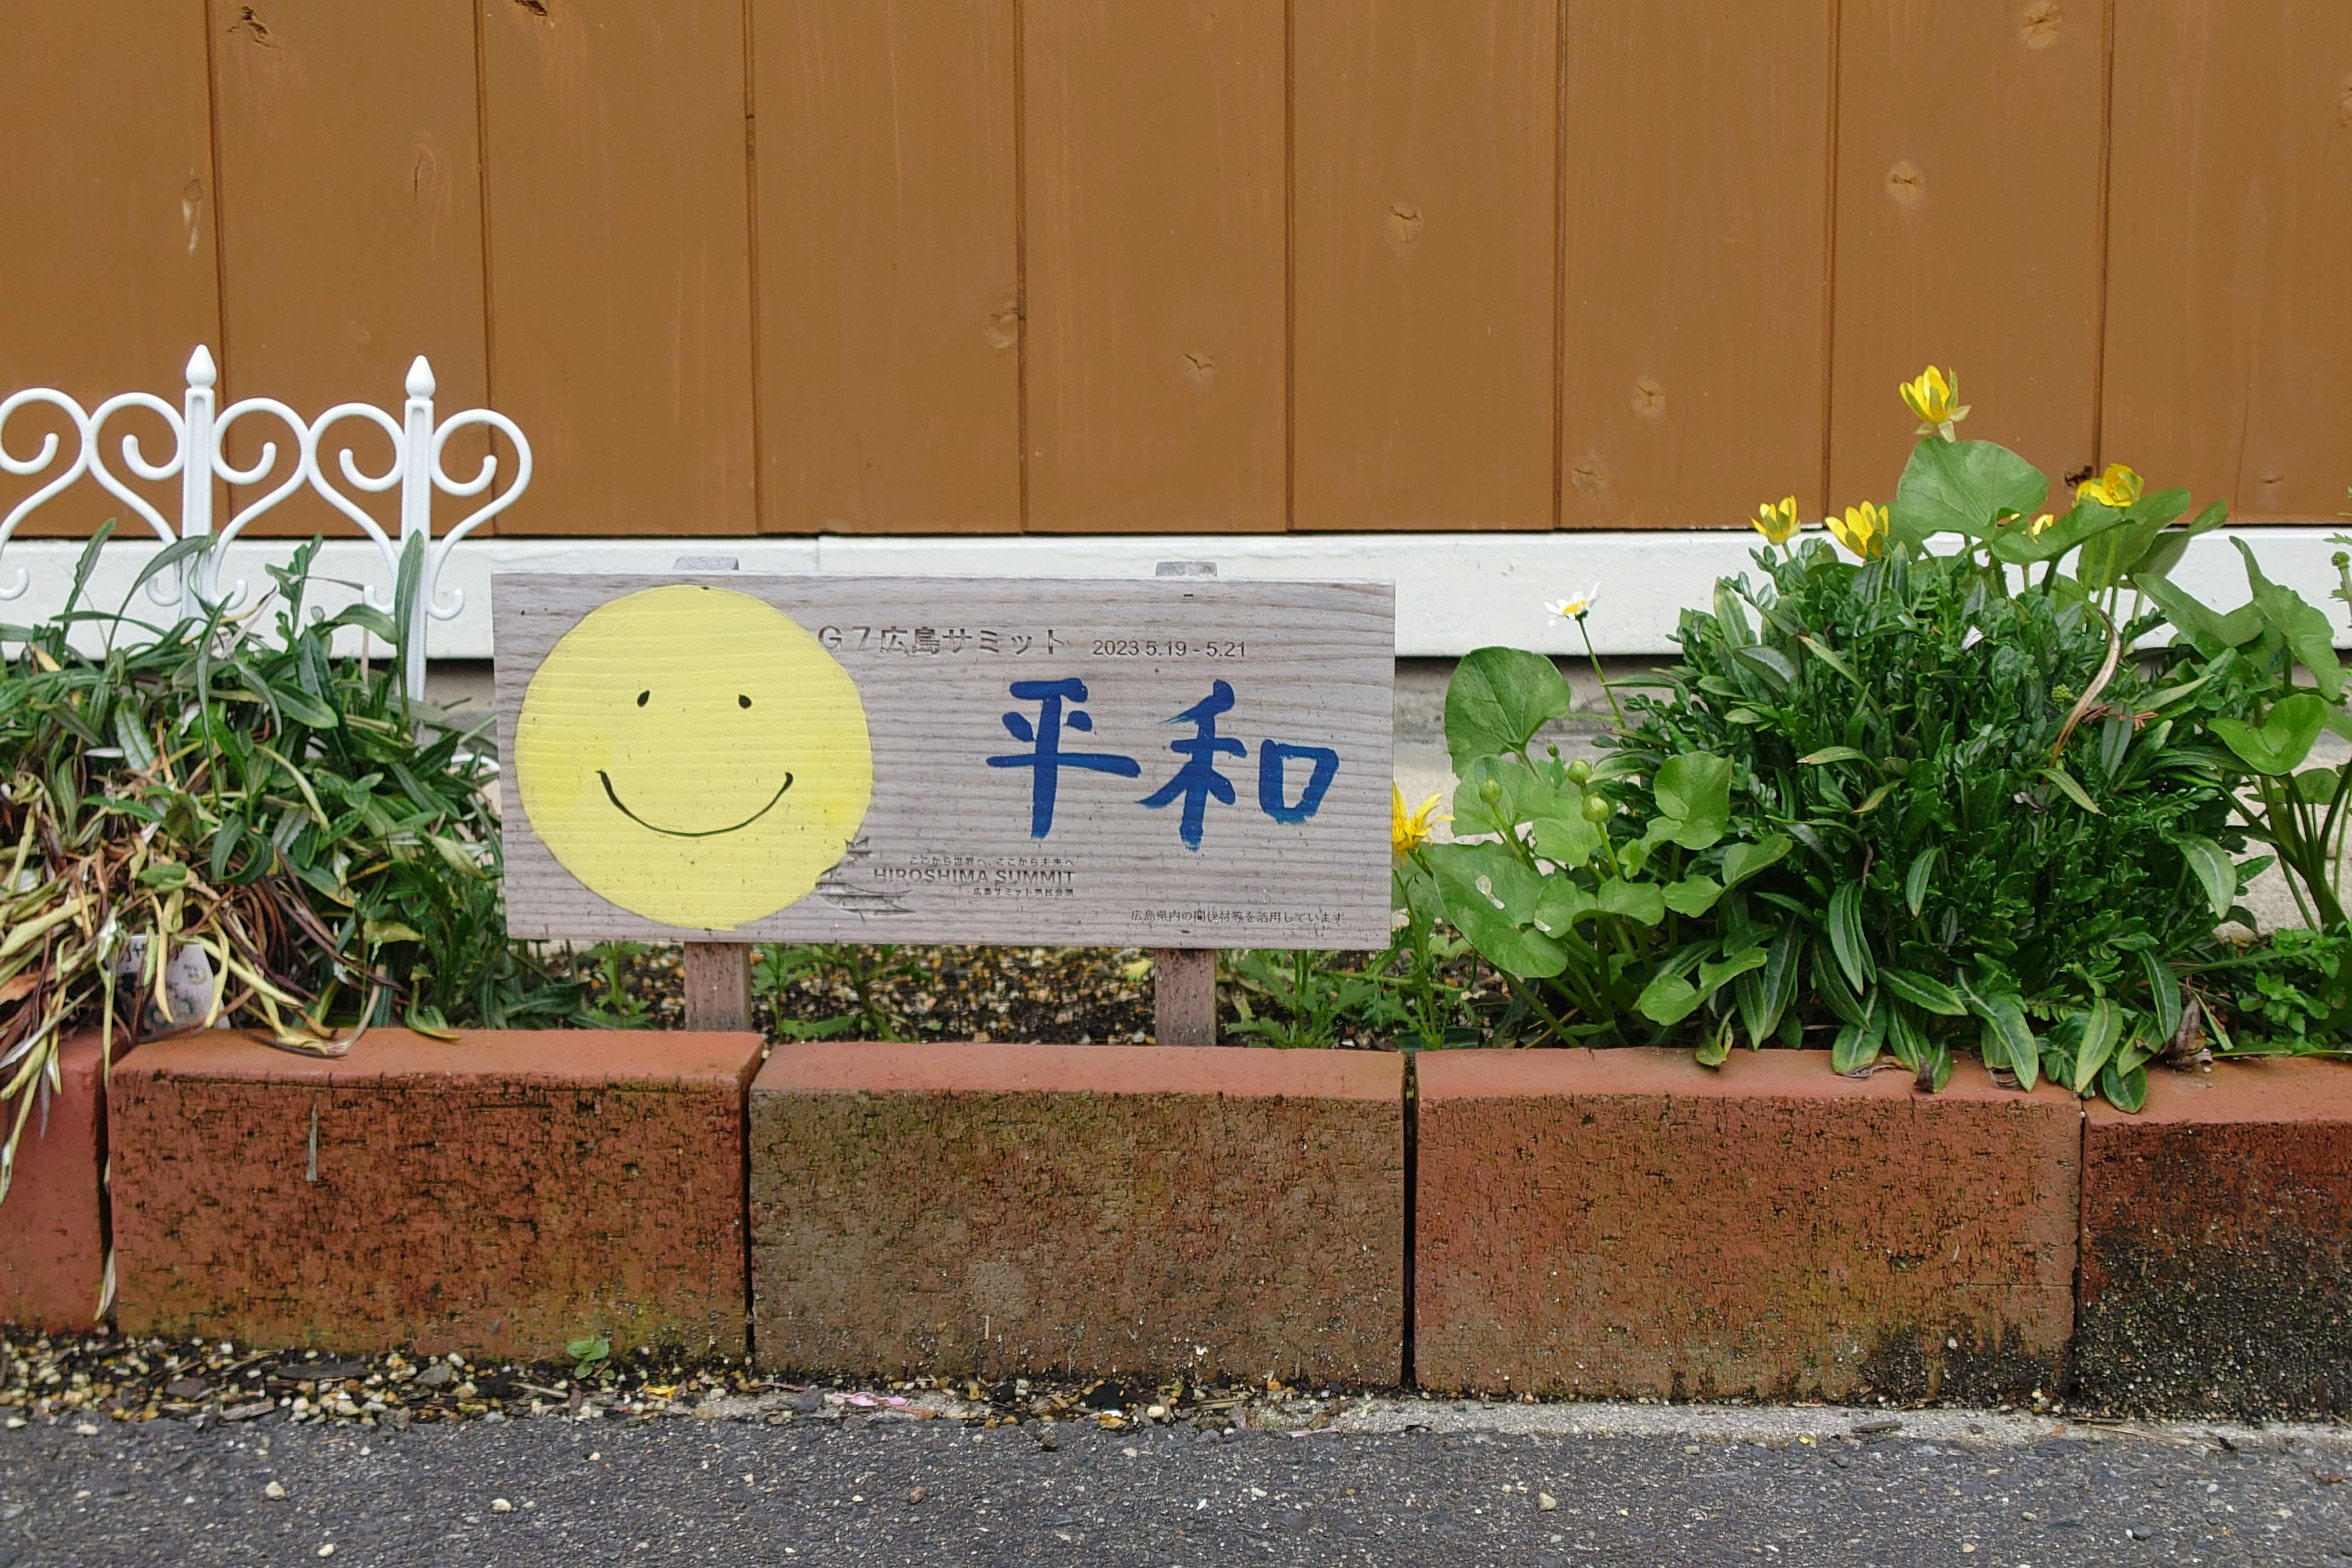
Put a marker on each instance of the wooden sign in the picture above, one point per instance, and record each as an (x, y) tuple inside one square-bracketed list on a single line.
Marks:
[(1168, 763)]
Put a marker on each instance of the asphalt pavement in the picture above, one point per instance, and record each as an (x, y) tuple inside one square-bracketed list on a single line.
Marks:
[(1395, 1481)]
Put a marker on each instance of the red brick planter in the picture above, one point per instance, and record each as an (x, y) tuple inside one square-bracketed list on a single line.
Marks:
[(1628, 1222), (52, 1249), (500, 1195), (980, 1210), (2217, 1244)]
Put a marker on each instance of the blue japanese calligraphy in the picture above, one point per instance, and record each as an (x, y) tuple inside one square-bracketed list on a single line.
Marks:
[(1271, 756), (1199, 779), (1194, 783), (1046, 757)]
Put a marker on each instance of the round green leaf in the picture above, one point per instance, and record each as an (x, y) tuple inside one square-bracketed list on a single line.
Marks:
[(1497, 699)]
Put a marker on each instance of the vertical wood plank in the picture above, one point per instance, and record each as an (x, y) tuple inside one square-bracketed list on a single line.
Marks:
[(107, 276), (620, 262), (888, 286), (1155, 231), (2228, 330), (351, 227), (1968, 227), (718, 977), (1695, 190), (1426, 189), (1183, 996)]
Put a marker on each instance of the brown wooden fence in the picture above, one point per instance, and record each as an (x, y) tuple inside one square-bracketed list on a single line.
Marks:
[(789, 266)]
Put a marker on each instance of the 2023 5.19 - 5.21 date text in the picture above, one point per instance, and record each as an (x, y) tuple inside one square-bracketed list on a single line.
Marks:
[(1168, 648)]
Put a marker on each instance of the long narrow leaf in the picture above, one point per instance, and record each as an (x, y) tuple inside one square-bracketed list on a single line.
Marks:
[(2103, 1028), (2007, 1036), (2071, 788), (1915, 881), (1848, 940), (1924, 990), (164, 560)]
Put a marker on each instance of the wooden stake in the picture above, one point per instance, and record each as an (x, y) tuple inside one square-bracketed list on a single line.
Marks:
[(1184, 979), (718, 986), (1184, 995)]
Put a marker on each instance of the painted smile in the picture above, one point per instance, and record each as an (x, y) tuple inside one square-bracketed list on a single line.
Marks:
[(622, 806)]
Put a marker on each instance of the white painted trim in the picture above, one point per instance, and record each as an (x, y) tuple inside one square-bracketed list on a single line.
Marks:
[(1454, 591)]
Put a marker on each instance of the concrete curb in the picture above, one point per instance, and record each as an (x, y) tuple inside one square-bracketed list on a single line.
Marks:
[(1560, 1223), (1607, 1224), (2217, 1244), (502, 1193), (52, 1226), (984, 1210)]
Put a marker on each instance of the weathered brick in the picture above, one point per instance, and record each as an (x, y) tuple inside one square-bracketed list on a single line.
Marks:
[(2217, 1245), (1628, 1222), (52, 1248), (986, 1209), (497, 1195)]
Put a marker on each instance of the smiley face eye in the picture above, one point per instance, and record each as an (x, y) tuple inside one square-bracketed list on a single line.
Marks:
[(641, 698), (742, 701)]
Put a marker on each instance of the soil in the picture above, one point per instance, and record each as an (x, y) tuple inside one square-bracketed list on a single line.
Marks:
[(1071, 995), (103, 1377), (1047, 996)]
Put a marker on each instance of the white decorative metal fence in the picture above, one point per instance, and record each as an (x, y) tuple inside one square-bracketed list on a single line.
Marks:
[(199, 456)]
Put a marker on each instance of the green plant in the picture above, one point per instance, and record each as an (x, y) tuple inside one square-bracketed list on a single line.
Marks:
[(835, 972), (2010, 834), (2269, 721), (2279, 997), (1406, 993), (1927, 795), (590, 1354), (1593, 911), (213, 789), (613, 999), (1418, 999), (1297, 999)]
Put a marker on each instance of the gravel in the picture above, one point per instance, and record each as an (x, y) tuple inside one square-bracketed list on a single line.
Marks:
[(1083, 995), (104, 1377), (1047, 995)]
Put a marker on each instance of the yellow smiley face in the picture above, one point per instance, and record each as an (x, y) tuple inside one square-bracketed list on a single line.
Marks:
[(694, 755)]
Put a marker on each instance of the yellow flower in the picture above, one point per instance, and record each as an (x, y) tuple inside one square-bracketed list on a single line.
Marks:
[(1777, 524), (1935, 398), (2034, 529), (2118, 488), (1575, 609), (1863, 530), (1408, 830)]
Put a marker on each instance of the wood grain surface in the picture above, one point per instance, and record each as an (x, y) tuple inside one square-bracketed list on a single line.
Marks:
[(1154, 223), (2228, 323), (620, 262), (1697, 251), (915, 267), (950, 851), (889, 268), (107, 265), (1968, 227), (351, 224), (1427, 167)]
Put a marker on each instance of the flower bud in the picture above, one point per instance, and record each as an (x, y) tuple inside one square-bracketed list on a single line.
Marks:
[(1579, 771), (1597, 809)]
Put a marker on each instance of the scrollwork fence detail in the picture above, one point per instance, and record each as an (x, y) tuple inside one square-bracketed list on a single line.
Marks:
[(199, 456)]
